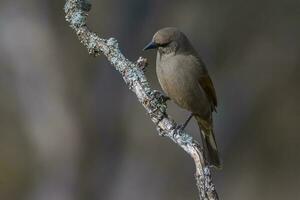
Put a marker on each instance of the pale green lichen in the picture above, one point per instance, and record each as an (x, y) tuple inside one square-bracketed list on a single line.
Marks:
[(68, 6), (92, 43), (85, 5), (112, 42), (78, 19), (183, 138)]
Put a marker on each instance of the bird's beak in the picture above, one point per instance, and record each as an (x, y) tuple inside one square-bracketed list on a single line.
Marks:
[(151, 45)]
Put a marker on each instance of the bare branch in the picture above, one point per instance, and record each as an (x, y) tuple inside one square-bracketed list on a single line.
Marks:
[(133, 75)]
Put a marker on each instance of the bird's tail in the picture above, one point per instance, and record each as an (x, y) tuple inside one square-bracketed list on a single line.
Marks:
[(209, 143)]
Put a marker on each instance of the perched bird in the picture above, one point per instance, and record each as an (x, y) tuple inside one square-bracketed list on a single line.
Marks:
[(185, 80)]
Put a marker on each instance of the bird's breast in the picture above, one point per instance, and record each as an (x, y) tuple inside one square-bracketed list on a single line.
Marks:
[(178, 77)]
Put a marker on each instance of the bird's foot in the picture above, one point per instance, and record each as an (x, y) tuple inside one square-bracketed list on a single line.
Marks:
[(180, 127), (161, 97)]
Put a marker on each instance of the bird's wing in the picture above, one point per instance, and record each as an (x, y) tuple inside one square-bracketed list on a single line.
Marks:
[(208, 87)]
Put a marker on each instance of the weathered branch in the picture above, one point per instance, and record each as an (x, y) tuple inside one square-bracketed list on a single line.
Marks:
[(133, 75)]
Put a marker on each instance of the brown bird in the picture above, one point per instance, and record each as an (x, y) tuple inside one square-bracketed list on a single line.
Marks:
[(184, 78)]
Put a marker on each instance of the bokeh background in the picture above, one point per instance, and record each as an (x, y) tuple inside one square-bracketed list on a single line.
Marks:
[(71, 130)]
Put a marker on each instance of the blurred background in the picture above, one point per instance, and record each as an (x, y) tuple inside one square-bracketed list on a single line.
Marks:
[(71, 130)]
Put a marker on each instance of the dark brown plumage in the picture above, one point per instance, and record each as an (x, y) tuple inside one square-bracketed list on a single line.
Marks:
[(184, 78)]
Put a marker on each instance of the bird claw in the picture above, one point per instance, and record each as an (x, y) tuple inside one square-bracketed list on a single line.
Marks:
[(161, 97), (180, 127)]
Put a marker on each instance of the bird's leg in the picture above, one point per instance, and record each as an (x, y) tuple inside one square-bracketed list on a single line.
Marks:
[(165, 98), (182, 127)]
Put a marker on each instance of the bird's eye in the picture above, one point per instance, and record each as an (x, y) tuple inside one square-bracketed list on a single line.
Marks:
[(164, 44)]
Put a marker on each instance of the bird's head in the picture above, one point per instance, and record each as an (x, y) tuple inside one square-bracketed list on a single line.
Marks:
[(167, 40)]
